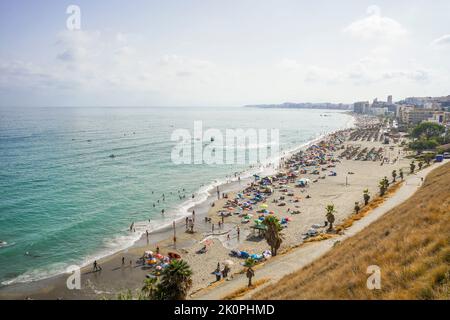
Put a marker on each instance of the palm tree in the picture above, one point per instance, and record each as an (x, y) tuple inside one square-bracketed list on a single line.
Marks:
[(366, 196), (330, 215), (357, 207), (149, 289), (125, 295), (175, 282), (273, 234), (401, 174), (394, 175), (412, 167), (383, 185), (249, 263)]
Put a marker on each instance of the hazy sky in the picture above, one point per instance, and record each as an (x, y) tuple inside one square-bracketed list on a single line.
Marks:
[(222, 53)]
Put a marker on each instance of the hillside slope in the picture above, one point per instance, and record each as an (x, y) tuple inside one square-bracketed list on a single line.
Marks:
[(410, 243)]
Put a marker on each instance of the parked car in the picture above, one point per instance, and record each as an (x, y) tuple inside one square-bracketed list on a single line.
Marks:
[(446, 155)]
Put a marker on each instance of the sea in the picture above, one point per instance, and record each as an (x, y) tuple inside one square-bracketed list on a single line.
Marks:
[(74, 179)]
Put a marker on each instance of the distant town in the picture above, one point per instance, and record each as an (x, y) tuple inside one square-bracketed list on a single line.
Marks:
[(410, 111), (407, 112), (305, 105)]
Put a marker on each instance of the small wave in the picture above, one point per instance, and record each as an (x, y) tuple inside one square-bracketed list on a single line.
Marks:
[(4, 244), (38, 274)]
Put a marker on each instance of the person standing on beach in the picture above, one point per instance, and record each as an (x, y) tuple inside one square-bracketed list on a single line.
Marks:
[(238, 231), (123, 261), (218, 193), (187, 220), (97, 266), (193, 215)]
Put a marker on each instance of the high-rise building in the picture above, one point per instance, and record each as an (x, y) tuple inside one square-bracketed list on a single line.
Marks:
[(416, 115), (361, 107), (389, 99)]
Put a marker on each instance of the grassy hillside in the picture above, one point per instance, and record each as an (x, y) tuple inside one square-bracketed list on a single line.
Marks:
[(411, 245)]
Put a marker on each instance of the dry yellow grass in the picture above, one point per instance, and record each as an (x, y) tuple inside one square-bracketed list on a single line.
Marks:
[(411, 245)]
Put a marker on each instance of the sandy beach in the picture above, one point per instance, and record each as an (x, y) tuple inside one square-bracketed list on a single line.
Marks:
[(334, 174)]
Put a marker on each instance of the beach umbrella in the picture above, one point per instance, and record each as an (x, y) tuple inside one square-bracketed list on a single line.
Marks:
[(158, 268), (244, 254), (228, 263), (264, 206), (207, 241), (148, 253), (174, 255)]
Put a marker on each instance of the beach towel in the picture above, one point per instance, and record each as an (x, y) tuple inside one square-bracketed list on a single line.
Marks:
[(244, 254)]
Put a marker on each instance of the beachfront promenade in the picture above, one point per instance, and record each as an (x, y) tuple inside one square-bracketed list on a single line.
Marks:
[(282, 265)]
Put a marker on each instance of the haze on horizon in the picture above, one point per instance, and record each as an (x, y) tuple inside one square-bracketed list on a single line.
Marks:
[(222, 53)]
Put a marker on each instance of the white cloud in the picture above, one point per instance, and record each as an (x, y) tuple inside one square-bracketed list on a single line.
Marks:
[(289, 64), (367, 70), (444, 40), (375, 27), (415, 75), (321, 74), (20, 74), (90, 62)]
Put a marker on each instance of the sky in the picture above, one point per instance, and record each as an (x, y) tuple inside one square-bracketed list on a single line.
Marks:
[(221, 53)]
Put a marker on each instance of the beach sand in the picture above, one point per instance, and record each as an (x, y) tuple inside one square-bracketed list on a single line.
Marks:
[(342, 190)]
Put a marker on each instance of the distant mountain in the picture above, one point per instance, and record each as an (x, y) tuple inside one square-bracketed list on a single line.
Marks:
[(305, 105)]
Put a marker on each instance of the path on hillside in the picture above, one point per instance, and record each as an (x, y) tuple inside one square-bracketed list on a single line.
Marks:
[(280, 266)]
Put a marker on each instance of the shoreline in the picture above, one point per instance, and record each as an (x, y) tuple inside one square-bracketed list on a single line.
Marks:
[(162, 236)]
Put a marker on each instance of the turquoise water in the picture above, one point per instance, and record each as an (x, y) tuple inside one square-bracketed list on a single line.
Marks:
[(64, 201)]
